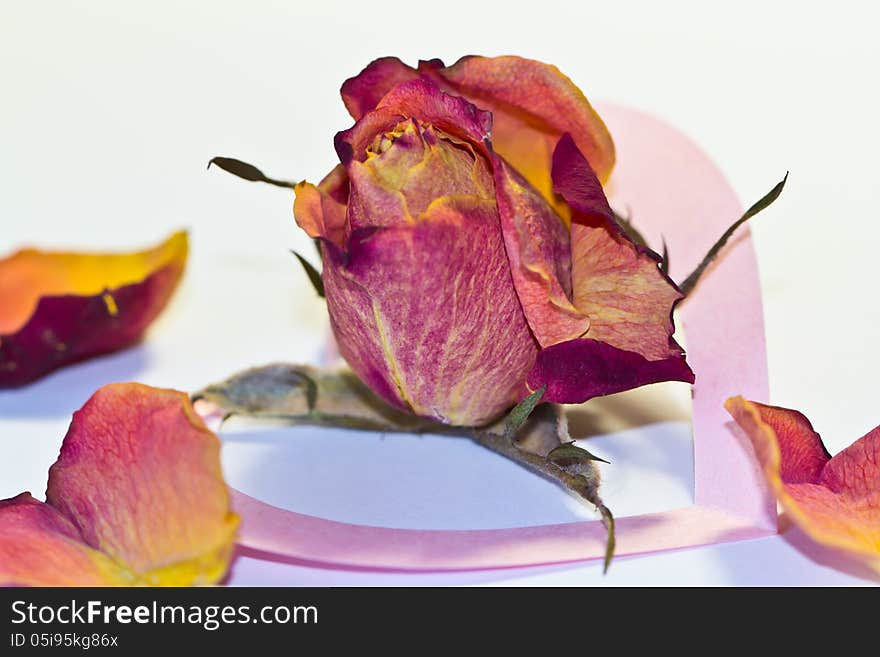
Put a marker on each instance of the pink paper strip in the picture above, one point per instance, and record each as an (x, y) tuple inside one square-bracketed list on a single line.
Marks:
[(671, 188)]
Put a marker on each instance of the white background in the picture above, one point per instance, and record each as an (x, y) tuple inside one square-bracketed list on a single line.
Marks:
[(109, 112)]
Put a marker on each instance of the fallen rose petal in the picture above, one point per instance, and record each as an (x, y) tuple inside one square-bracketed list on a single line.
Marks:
[(59, 308), (139, 476), (835, 500), (40, 547)]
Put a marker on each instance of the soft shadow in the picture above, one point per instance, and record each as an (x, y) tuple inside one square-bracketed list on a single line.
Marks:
[(402, 480), (63, 391), (627, 410), (665, 403), (824, 555)]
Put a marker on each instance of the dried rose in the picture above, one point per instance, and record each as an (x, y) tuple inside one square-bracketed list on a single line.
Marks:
[(136, 497), (60, 308), (470, 255)]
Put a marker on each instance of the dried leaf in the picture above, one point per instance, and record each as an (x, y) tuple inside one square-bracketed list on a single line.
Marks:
[(520, 413), (567, 455), (247, 171), (313, 274), (691, 281), (664, 262), (302, 394)]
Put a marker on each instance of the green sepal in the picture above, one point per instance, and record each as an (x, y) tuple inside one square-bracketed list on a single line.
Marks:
[(247, 171), (313, 274)]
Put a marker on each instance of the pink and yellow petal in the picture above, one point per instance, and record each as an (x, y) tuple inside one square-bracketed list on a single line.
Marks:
[(533, 105), (616, 283), (539, 251), (58, 308), (421, 99), (836, 501), (40, 547), (139, 476), (430, 314)]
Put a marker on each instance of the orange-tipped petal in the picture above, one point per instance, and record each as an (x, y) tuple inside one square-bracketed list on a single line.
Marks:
[(533, 105), (139, 476), (40, 547), (58, 308), (835, 500)]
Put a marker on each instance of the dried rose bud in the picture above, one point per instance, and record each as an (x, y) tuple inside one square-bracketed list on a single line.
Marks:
[(470, 255)]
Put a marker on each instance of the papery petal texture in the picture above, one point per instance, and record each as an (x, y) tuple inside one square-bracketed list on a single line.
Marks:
[(618, 286), (835, 500), (427, 314), (139, 477), (59, 308), (538, 246), (40, 547), (362, 93), (533, 105), (320, 209)]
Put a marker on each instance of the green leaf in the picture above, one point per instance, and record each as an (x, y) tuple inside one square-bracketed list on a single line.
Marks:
[(691, 281), (247, 171), (313, 274), (520, 413), (568, 454)]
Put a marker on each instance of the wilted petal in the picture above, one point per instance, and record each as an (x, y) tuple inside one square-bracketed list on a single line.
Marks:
[(363, 92), (58, 308), (407, 169), (619, 287), (615, 282), (539, 249), (835, 500), (421, 99), (427, 314), (320, 210), (533, 105), (40, 547), (139, 476), (578, 370)]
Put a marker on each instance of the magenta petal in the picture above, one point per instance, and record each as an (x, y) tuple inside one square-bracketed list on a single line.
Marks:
[(421, 99), (575, 180), (581, 369), (428, 317), (363, 92)]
